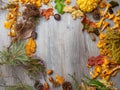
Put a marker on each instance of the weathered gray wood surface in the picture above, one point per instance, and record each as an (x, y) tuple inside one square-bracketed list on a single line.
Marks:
[(63, 46)]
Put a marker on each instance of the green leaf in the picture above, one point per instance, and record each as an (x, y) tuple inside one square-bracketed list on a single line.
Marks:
[(59, 7), (96, 83), (56, 1)]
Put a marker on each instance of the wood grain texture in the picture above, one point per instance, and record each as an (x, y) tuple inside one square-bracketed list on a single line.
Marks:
[(63, 46)]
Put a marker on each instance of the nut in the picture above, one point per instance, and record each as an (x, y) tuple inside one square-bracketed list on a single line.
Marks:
[(57, 17)]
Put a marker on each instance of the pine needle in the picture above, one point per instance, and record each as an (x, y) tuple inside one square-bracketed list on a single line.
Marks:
[(15, 55)]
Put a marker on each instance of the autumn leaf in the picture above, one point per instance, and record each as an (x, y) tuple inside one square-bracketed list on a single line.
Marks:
[(30, 47), (47, 13)]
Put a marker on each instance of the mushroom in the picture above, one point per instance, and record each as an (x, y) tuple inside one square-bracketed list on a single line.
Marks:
[(111, 16), (107, 7), (105, 24), (12, 33), (116, 19), (102, 4), (110, 72), (115, 26), (97, 71), (118, 13), (69, 9), (68, 2), (77, 14), (101, 12), (101, 36), (100, 22), (50, 5)]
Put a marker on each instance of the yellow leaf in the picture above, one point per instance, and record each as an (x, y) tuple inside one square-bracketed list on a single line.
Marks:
[(30, 47)]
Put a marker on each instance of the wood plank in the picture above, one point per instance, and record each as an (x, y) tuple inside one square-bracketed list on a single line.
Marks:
[(63, 46)]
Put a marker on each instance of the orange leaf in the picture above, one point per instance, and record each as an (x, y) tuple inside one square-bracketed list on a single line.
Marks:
[(47, 13)]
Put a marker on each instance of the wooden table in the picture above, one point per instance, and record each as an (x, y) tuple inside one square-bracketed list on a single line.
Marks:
[(63, 46)]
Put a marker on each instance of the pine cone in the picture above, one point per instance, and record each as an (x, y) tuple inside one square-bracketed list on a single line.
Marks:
[(38, 85), (67, 86), (31, 11)]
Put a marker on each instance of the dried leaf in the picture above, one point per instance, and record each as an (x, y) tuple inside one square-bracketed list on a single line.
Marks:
[(30, 47)]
